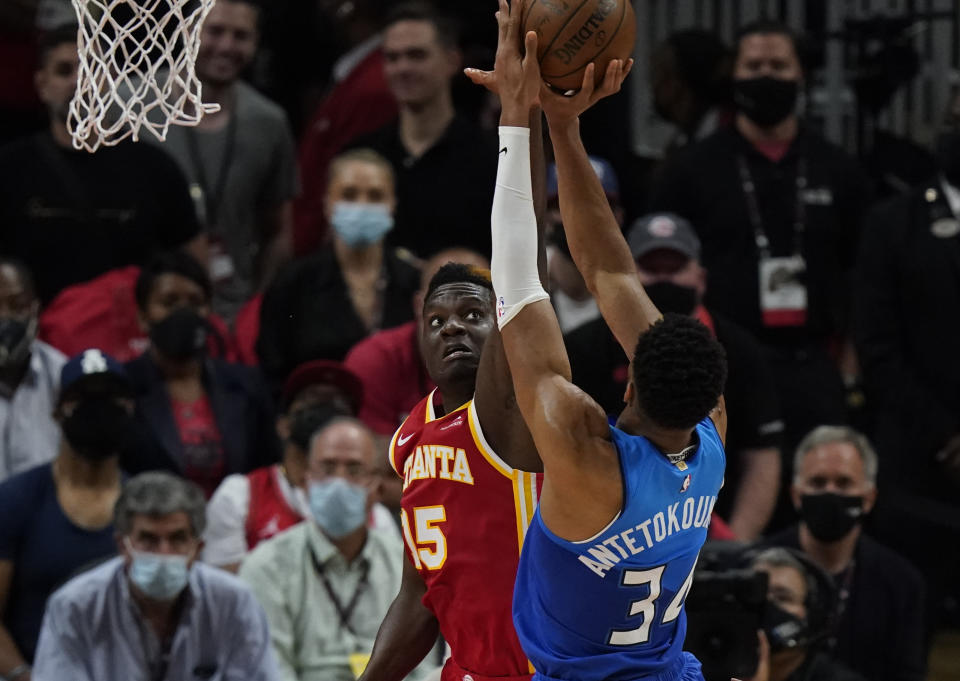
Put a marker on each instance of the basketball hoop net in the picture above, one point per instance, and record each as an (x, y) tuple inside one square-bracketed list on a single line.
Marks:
[(136, 69)]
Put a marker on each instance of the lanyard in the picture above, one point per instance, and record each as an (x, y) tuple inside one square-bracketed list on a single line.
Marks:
[(343, 612), (843, 596), (213, 195), (753, 208)]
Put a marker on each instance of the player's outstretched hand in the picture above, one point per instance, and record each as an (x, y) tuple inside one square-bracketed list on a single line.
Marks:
[(564, 109), (515, 77)]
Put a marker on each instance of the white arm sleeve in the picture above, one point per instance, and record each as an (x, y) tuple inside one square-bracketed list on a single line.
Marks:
[(516, 279)]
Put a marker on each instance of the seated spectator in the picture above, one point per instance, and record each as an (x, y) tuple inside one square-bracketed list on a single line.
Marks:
[(201, 418), (247, 509), (155, 611), (102, 313), (798, 600), (326, 584), (880, 594), (29, 376), (323, 305), (389, 362), (667, 252), (57, 518), (71, 215)]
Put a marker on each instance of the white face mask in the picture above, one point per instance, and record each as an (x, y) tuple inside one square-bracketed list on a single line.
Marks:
[(159, 576)]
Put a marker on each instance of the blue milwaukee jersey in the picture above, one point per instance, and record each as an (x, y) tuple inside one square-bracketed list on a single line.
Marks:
[(611, 607)]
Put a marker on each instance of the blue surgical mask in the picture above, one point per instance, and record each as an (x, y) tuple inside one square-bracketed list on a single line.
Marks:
[(361, 224), (338, 506), (159, 576)]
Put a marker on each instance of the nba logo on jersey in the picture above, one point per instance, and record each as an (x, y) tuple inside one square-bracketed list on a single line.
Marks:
[(686, 484), (501, 307)]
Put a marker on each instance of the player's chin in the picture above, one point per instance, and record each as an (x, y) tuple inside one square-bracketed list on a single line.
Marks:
[(460, 367)]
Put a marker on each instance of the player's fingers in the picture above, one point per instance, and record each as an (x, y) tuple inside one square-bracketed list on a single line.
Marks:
[(513, 23), (628, 69), (530, 42), (485, 78), (503, 15), (611, 79), (587, 88)]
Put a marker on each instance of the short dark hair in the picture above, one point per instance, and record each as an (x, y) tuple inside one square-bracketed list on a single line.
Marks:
[(170, 262), (458, 273), (26, 276), (679, 371), (448, 32), (769, 27), (54, 38)]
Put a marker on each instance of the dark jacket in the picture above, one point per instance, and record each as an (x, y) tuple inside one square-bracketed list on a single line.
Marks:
[(241, 408), (880, 632), (906, 329)]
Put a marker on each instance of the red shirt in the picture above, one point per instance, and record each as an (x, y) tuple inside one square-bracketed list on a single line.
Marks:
[(203, 459), (465, 514), (394, 378), (268, 513)]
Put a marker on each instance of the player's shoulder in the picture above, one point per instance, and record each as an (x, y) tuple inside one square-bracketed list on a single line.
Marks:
[(407, 436)]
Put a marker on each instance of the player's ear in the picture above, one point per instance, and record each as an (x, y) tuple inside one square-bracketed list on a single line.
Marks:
[(629, 393)]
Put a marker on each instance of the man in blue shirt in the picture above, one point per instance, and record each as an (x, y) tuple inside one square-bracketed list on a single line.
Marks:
[(608, 559)]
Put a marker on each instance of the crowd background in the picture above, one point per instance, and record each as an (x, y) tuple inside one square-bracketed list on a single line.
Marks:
[(239, 307)]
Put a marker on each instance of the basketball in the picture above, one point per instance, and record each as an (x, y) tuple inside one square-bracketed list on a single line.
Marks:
[(573, 33)]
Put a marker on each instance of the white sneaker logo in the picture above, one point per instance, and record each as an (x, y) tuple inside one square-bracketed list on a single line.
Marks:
[(401, 441)]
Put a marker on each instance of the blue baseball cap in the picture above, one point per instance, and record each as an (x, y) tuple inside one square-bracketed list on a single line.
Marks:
[(96, 370), (604, 171)]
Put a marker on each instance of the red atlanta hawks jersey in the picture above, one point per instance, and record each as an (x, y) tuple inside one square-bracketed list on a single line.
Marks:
[(465, 514)]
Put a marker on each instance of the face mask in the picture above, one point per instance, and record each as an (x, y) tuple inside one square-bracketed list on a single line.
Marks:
[(765, 101), (948, 156), (98, 428), (670, 297), (338, 506), (784, 630), (829, 516), (361, 224), (180, 335), (159, 576), (16, 335)]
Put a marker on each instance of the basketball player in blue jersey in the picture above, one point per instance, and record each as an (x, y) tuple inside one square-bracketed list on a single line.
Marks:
[(609, 557)]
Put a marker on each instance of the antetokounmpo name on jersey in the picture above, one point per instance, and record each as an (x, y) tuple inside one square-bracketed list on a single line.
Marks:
[(695, 513), (437, 461)]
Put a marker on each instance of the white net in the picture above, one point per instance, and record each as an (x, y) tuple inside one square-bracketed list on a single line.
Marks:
[(136, 69)]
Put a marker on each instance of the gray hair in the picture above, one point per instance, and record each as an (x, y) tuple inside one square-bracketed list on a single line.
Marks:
[(825, 435), (778, 557), (157, 494)]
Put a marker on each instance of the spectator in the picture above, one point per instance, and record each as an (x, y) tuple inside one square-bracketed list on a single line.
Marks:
[(777, 209), (70, 215), (201, 418), (57, 517), (29, 376), (389, 362), (358, 103), (248, 509), (325, 304), (445, 165), (906, 291), (326, 585), (798, 602), (667, 253), (690, 80), (155, 611), (879, 594), (240, 161), (569, 295)]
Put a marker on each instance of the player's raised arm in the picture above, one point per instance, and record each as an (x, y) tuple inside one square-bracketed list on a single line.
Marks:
[(596, 242), (567, 426)]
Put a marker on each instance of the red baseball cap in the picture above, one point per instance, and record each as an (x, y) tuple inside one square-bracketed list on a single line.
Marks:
[(324, 372)]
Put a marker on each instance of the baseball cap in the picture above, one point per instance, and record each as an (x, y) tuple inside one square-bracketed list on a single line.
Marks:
[(324, 372), (603, 169), (663, 230), (94, 369)]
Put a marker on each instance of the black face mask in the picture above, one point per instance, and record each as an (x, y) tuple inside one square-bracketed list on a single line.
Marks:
[(830, 517), (948, 155), (306, 421), (784, 630), (670, 297), (16, 335), (98, 428), (766, 101), (181, 335)]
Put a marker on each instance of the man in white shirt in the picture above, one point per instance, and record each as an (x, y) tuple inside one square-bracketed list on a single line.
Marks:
[(29, 376)]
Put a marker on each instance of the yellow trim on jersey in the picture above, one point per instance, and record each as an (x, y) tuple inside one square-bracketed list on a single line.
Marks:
[(485, 449), (524, 501)]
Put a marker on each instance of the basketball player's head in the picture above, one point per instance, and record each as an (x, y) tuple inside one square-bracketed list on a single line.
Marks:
[(56, 77), (228, 41), (677, 374), (458, 315), (430, 267), (420, 54)]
